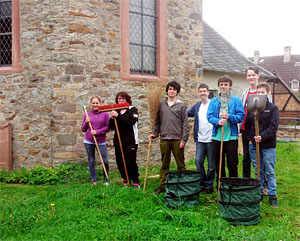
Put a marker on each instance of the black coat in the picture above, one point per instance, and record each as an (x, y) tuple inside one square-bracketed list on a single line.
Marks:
[(268, 125), (128, 127)]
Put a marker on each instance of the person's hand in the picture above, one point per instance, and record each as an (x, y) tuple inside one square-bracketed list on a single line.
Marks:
[(181, 146), (87, 120), (222, 122), (224, 114), (114, 114), (257, 139), (93, 132), (151, 136)]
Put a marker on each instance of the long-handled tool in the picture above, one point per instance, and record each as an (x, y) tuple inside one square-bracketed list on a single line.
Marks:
[(257, 145), (155, 93), (147, 165), (106, 108), (220, 163), (81, 99), (223, 106), (255, 104)]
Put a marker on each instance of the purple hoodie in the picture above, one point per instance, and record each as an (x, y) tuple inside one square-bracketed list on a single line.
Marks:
[(100, 123)]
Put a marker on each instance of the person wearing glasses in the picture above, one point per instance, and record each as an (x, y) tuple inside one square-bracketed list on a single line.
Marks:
[(127, 121), (203, 140)]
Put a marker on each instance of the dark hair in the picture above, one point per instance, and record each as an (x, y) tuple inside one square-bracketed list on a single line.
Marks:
[(254, 68), (95, 97), (225, 78), (202, 86), (264, 85), (173, 84), (124, 95)]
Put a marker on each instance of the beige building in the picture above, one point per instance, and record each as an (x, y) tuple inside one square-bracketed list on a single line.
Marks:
[(220, 58)]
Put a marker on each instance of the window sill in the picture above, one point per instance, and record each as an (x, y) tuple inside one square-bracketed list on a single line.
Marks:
[(144, 78), (11, 70)]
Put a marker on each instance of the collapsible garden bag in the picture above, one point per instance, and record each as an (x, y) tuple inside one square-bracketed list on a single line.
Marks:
[(239, 200), (182, 188)]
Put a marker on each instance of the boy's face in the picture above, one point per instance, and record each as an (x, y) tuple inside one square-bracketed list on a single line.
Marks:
[(172, 92), (252, 77), (224, 88), (203, 93), (262, 91)]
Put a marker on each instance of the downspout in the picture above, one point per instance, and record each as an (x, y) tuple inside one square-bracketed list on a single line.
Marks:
[(51, 97)]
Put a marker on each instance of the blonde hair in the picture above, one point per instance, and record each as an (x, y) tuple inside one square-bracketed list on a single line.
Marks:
[(95, 97)]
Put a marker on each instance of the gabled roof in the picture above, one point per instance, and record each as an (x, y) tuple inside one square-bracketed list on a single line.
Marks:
[(286, 71), (278, 80), (220, 55)]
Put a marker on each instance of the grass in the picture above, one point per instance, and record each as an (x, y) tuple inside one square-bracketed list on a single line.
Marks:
[(85, 212)]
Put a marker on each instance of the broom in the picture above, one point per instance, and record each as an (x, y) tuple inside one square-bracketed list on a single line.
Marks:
[(154, 97)]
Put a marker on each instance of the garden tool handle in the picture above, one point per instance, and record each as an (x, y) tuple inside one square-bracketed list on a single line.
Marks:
[(257, 146), (147, 164), (220, 164), (122, 152)]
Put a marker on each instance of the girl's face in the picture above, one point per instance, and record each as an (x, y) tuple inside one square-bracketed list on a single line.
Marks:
[(121, 100), (95, 103)]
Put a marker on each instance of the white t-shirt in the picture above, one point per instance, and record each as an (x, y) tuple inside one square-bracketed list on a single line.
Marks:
[(205, 128)]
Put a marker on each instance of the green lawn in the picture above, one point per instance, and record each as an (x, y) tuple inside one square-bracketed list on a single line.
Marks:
[(85, 212)]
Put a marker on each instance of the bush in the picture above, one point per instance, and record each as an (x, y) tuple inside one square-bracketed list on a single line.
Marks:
[(65, 173)]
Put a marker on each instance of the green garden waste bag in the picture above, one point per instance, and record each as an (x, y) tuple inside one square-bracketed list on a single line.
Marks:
[(182, 188), (239, 200)]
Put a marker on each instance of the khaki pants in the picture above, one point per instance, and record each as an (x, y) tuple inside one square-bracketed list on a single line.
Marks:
[(166, 146)]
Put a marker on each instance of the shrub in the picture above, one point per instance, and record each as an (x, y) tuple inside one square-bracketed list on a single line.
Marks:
[(65, 173)]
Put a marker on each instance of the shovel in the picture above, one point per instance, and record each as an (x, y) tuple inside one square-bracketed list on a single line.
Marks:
[(255, 104)]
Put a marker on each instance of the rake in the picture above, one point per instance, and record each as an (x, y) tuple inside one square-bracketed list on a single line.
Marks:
[(224, 101), (81, 99)]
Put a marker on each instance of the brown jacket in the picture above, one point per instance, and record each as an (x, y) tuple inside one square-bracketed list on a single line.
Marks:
[(172, 122)]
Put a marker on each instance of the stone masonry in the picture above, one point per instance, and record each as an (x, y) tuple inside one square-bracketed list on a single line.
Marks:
[(71, 46)]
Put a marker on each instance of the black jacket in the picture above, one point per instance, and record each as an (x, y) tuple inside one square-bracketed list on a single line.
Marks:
[(268, 125), (128, 127)]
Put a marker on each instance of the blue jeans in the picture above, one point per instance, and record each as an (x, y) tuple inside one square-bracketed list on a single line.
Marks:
[(267, 160), (202, 150), (90, 151)]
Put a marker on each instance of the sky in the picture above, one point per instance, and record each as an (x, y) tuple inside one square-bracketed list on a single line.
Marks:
[(249, 25)]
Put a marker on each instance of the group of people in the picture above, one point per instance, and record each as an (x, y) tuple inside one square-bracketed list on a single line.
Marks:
[(217, 120)]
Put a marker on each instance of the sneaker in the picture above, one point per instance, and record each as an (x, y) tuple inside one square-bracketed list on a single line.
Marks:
[(159, 190), (136, 186), (93, 183), (106, 183), (125, 183), (273, 201), (265, 192), (208, 190)]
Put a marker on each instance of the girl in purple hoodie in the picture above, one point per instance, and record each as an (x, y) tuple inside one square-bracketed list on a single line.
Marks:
[(100, 125)]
